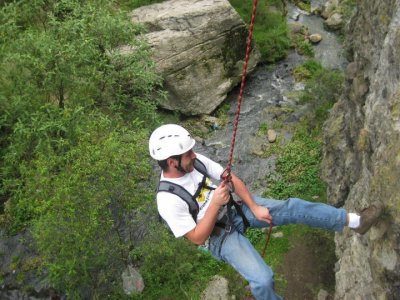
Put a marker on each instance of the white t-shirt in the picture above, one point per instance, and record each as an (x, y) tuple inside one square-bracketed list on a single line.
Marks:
[(174, 210)]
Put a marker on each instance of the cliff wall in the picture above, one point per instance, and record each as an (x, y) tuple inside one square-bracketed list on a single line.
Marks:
[(362, 153)]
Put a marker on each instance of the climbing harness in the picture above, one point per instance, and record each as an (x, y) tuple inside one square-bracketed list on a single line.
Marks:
[(226, 175), (167, 186)]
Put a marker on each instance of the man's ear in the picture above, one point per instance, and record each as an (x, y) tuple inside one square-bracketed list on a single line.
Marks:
[(171, 162)]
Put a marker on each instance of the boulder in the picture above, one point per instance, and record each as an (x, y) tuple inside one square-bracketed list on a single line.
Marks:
[(334, 22), (315, 38), (271, 134), (316, 6), (216, 289), (199, 49), (329, 8)]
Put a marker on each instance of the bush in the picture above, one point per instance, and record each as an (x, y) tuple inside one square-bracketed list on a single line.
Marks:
[(173, 268), (53, 77), (77, 211), (75, 115)]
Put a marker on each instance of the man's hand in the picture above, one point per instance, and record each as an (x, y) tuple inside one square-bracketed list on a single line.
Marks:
[(203, 229), (262, 214), (221, 194)]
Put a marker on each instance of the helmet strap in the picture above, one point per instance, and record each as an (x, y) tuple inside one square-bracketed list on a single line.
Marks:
[(179, 167)]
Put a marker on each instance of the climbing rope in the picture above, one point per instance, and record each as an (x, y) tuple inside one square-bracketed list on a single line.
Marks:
[(227, 173), (267, 240), (240, 96)]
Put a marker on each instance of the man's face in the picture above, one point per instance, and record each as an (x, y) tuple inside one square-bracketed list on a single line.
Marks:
[(187, 161)]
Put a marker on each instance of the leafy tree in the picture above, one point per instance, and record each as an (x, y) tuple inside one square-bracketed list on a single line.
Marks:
[(70, 64), (75, 110), (77, 232)]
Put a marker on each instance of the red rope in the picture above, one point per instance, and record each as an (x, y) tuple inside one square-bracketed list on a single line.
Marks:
[(267, 239), (240, 97), (227, 172)]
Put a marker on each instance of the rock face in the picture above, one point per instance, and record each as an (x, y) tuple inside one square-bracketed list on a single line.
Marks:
[(199, 49), (362, 156)]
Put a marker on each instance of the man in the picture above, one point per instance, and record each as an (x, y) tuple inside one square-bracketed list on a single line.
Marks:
[(220, 226)]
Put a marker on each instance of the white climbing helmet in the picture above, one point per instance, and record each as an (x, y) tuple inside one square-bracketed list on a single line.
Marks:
[(168, 140)]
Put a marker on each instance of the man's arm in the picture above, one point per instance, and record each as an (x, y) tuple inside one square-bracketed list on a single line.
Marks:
[(240, 189), (203, 229)]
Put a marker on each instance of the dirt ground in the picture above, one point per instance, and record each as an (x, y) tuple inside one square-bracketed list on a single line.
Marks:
[(307, 268)]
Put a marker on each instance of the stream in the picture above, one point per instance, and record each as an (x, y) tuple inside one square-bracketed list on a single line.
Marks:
[(267, 88)]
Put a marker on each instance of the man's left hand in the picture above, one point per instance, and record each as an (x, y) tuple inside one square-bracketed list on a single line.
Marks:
[(262, 214)]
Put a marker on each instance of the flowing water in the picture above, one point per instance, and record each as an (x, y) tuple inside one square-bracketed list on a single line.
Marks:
[(267, 89)]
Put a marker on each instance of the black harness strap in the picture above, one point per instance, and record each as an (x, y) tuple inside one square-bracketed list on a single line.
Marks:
[(167, 186)]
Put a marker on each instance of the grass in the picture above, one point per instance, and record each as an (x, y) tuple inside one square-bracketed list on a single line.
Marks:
[(270, 27)]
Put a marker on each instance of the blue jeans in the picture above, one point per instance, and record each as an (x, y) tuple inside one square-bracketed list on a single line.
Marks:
[(235, 249)]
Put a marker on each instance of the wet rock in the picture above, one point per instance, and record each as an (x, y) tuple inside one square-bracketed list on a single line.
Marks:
[(315, 38), (271, 134), (317, 6), (295, 16), (329, 8), (334, 22), (297, 28)]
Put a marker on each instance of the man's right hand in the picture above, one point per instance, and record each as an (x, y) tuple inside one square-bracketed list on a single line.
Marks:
[(221, 194), (203, 229)]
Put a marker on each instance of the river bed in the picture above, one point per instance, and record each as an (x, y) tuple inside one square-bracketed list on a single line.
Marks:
[(267, 88)]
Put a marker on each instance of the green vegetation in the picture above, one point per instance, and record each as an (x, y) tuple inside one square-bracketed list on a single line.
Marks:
[(270, 28), (173, 268), (347, 7), (132, 4), (304, 5), (307, 70), (75, 115), (323, 87)]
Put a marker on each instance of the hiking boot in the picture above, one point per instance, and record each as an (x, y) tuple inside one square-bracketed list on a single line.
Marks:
[(368, 217)]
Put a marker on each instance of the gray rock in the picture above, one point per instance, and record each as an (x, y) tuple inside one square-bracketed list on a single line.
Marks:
[(315, 38), (329, 8), (317, 6), (199, 49), (217, 289), (334, 22), (271, 134), (361, 153), (323, 295)]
